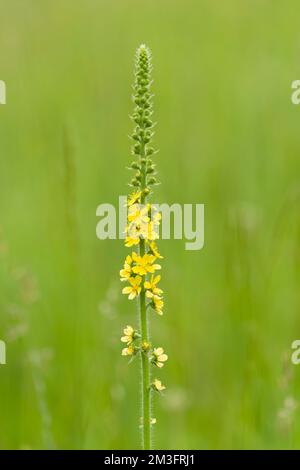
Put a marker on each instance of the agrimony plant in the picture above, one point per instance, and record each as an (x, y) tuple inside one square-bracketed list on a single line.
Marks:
[(140, 267)]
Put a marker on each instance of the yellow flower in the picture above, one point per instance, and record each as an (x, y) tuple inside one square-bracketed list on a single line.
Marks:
[(145, 346), (154, 249), (151, 286), (156, 218), (134, 289), (125, 273), (150, 231), (153, 421), (131, 241), (144, 264), (128, 351), (158, 304), (134, 233), (129, 333), (159, 387), (133, 198), (159, 357), (138, 214)]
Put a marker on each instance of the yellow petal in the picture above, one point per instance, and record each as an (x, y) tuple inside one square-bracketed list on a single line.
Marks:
[(132, 295), (126, 290), (156, 266), (163, 358), (128, 330), (158, 351)]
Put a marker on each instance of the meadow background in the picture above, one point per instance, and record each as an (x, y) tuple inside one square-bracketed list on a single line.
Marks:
[(228, 136)]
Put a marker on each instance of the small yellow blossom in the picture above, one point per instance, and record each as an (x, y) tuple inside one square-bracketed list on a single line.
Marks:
[(125, 273), (153, 421), (134, 233), (129, 334), (158, 304), (134, 289), (131, 241), (144, 264), (159, 357), (138, 214), (145, 346), (154, 249), (151, 287), (150, 231), (128, 351), (159, 387), (133, 198), (156, 218)]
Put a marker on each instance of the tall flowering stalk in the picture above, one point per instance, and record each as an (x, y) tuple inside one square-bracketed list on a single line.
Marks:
[(143, 220)]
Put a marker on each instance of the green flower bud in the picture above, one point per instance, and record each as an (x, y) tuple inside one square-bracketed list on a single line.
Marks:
[(134, 182), (149, 151), (137, 149), (135, 166), (152, 180), (150, 169)]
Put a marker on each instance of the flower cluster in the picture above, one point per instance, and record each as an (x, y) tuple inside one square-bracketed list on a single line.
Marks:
[(142, 232), (139, 269), (156, 356)]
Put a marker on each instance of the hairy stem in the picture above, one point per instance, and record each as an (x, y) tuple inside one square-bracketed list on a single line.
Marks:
[(146, 393), (146, 390)]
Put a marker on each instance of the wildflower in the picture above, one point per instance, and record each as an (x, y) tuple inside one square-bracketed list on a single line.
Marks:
[(152, 288), (128, 351), (134, 289), (154, 249), (131, 241), (133, 198), (142, 231), (150, 231), (144, 264), (129, 335), (126, 272), (145, 346), (156, 218), (158, 304), (138, 215), (158, 386), (159, 357)]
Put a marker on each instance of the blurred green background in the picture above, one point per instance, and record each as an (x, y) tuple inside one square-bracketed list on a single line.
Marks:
[(228, 136)]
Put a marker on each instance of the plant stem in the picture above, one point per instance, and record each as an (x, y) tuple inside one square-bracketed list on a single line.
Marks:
[(146, 390)]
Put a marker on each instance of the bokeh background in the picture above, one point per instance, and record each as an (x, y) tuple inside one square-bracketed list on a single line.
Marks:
[(228, 136)]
